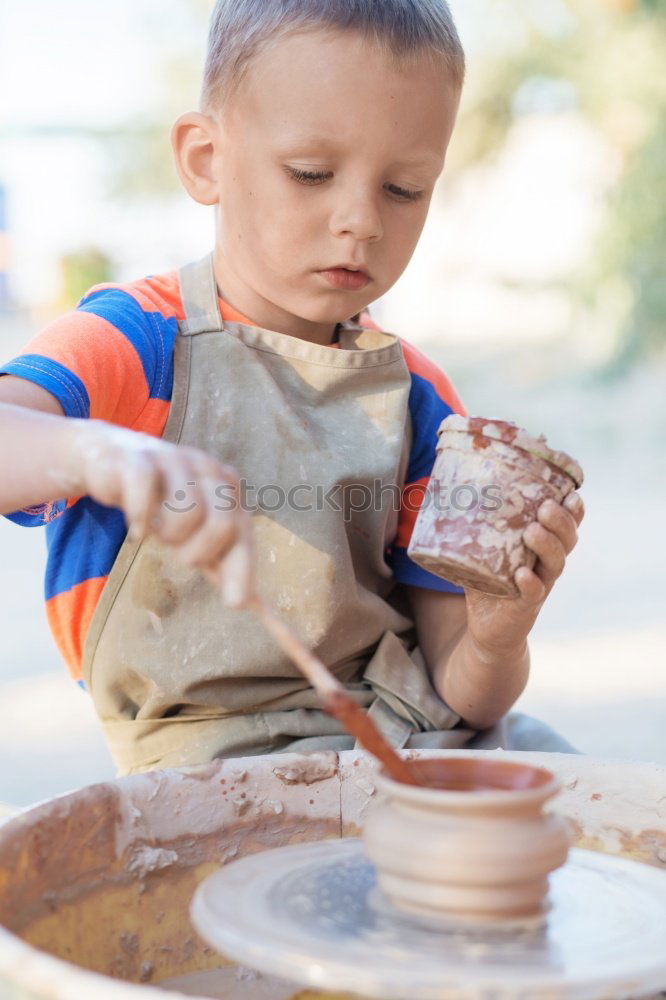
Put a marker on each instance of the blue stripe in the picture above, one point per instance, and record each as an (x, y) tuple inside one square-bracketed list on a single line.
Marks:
[(427, 411), (151, 335), (82, 544), (405, 570), (25, 520), (35, 517), (67, 387)]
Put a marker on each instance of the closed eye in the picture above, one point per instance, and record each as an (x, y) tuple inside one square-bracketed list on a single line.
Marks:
[(307, 176), (404, 192), (313, 177)]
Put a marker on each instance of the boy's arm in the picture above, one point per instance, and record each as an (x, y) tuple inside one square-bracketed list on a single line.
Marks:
[(31, 437), (475, 645), (477, 685), (23, 393), (481, 671), (46, 457)]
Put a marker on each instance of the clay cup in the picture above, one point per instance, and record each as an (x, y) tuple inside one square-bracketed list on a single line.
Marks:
[(489, 479), (477, 849)]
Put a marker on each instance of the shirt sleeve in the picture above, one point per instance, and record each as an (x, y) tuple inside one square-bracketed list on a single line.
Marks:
[(108, 359), (432, 397)]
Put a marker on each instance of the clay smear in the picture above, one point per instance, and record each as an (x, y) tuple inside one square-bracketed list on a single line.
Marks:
[(230, 983)]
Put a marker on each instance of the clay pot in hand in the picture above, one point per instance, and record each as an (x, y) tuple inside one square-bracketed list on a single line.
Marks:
[(477, 848), (488, 482)]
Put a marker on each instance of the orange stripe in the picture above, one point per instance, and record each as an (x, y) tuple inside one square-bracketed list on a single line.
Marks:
[(102, 357), (69, 615), (232, 315), (160, 293), (419, 364), (153, 417), (412, 499)]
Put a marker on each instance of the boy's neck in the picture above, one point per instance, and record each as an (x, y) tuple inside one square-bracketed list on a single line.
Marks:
[(260, 312)]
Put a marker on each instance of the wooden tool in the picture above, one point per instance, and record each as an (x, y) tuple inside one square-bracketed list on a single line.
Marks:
[(335, 699), (236, 583)]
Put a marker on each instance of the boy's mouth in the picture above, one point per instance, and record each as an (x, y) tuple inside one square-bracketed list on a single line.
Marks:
[(345, 277)]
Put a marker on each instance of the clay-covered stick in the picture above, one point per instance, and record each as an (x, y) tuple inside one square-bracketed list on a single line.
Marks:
[(237, 587), (322, 680), (335, 699)]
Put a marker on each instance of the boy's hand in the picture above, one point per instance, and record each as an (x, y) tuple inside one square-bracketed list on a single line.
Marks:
[(501, 624), (169, 491)]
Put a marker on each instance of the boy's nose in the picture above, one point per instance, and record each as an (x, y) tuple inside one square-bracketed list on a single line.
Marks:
[(358, 217)]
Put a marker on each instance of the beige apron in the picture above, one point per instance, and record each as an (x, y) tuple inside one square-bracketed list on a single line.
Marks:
[(176, 677)]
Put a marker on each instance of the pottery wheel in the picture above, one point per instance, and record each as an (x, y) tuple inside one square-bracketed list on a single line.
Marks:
[(312, 914)]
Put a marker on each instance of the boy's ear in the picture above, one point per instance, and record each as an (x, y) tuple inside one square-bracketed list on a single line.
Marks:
[(194, 139)]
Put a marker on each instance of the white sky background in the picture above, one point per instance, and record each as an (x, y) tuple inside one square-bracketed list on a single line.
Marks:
[(59, 68), (59, 65)]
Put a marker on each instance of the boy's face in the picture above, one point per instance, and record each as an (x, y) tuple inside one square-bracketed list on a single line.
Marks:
[(326, 156)]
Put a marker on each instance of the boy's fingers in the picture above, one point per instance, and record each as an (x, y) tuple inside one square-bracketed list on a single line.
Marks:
[(556, 519), (183, 497), (211, 542), (142, 491), (237, 571), (575, 504), (532, 587), (549, 549), (103, 481), (234, 574), (218, 529), (183, 507)]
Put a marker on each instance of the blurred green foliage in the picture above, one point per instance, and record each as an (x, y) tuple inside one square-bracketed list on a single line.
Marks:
[(80, 270), (606, 60), (634, 246)]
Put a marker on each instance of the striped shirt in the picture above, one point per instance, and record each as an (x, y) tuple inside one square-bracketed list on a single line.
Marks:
[(112, 359)]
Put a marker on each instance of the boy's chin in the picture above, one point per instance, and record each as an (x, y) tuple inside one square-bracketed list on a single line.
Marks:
[(333, 314)]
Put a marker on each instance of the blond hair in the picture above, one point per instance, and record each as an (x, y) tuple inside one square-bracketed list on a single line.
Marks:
[(239, 29)]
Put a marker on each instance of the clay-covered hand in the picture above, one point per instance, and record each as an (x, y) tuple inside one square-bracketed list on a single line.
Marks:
[(500, 624), (181, 495)]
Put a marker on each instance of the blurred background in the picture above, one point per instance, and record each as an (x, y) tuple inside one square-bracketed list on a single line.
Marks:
[(538, 286)]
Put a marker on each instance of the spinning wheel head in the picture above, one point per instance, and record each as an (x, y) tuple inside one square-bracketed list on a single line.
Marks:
[(306, 913)]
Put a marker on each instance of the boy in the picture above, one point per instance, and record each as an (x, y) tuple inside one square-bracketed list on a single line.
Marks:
[(158, 405)]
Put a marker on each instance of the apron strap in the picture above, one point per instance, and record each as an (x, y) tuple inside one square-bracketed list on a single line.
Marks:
[(199, 294)]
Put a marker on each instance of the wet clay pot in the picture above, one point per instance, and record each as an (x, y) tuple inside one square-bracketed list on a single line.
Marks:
[(478, 848), (489, 479)]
